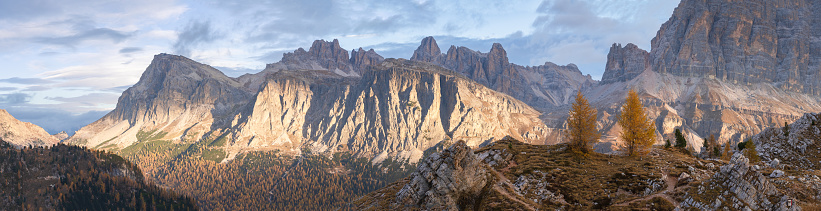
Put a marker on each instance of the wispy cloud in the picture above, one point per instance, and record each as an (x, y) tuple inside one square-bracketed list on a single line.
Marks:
[(194, 34), (18, 80), (14, 99)]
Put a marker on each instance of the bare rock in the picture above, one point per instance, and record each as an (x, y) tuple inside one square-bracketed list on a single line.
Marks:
[(22, 134), (444, 179), (625, 63), (544, 87), (777, 174), (743, 42)]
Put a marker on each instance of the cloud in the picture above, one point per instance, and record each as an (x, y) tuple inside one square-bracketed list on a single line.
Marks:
[(55, 120), (130, 50), (36, 88), (91, 34), (6, 88), (194, 34), (18, 80), (280, 22), (14, 99), (92, 99)]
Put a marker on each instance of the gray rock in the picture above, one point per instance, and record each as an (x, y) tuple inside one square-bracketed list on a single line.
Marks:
[(544, 87), (777, 174), (774, 163), (625, 63), (777, 44), (461, 174)]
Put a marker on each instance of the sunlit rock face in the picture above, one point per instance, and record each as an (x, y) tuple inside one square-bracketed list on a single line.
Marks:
[(399, 107), (321, 100), (23, 134)]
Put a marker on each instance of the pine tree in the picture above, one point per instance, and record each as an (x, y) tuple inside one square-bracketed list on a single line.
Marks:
[(727, 150), (581, 124), (680, 141), (750, 152), (638, 132)]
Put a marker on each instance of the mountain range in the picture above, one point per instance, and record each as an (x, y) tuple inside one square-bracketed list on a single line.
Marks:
[(737, 70), (712, 71)]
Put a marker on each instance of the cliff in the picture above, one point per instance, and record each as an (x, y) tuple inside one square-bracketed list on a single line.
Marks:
[(395, 108), (544, 87), (743, 42), (399, 108)]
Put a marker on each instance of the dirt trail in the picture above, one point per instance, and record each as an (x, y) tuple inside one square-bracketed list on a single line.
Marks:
[(671, 186), (504, 181)]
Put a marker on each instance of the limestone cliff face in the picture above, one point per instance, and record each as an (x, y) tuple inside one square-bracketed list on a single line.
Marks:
[(21, 134), (625, 63), (398, 109), (175, 95), (743, 42), (544, 87), (393, 108), (726, 68)]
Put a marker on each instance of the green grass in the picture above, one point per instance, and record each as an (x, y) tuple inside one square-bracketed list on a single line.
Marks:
[(215, 155), (151, 147), (104, 142), (221, 140), (152, 135)]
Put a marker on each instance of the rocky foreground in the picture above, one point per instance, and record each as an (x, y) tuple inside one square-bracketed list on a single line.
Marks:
[(511, 175)]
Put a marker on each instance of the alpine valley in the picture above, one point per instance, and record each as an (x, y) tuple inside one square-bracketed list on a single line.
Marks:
[(327, 128)]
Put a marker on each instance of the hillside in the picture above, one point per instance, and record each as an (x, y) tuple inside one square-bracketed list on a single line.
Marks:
[(509, 174), (70, 178), (21, 134)]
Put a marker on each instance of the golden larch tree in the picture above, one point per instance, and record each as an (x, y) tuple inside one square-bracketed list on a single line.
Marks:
[(581, 126), (638, 132)]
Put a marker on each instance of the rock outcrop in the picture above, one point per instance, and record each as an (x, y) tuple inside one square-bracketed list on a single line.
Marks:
[(739, 186), (22, 134), (797, 144), (447, 180), (743, 42), (625, 63), (544, 87)]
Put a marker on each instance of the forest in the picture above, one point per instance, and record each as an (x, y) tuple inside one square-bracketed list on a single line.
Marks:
[(63, 177)]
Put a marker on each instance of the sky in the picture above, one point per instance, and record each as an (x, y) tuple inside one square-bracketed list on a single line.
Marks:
[(63, 64)]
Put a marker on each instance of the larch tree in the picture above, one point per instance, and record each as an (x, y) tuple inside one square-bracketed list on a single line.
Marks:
[(638, 132), (581, 126)]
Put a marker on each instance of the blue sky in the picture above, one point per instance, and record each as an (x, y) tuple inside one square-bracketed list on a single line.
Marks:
[(63, 64)]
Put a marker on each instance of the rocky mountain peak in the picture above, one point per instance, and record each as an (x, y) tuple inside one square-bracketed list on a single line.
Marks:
[(360, 59), (625, 63), (22, 134), (428, 51), (544, 87), (324, 55)]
